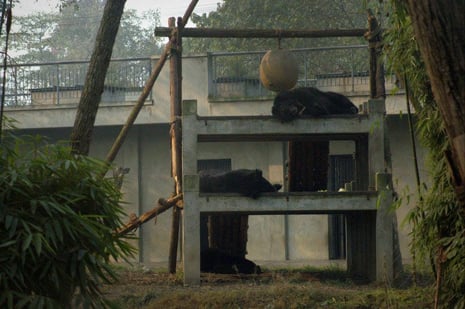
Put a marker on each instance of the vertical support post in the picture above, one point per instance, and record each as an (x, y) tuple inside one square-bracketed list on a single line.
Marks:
[(352, 70), (376, 150), (374, 37), (16, 91), (384, 231), (175, 132), (191, 231), (212, 89), (57, 92), (191, 212), (361, 243)]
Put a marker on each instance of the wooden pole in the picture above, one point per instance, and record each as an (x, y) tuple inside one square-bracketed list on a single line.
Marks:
[(146, 91), (373, 35), (137, 108), (175, 131), (261, 33), (163, 205)]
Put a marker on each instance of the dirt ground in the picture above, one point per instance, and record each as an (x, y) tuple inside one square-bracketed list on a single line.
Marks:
[(327, 287)]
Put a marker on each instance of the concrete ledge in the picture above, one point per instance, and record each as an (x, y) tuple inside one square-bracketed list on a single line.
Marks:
[(289, 203), (243, 127), (63, 116)]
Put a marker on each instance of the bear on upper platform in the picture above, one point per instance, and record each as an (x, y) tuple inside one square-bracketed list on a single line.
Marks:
[(291, 104)]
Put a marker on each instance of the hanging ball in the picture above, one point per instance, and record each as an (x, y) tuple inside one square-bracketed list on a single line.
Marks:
[(278, 70)]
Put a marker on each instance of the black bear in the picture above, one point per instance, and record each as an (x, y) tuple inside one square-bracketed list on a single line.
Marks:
[(218, 262), (291, 104), (244, 181)]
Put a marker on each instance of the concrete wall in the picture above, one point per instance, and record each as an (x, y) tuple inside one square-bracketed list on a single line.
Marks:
[(147, 153)]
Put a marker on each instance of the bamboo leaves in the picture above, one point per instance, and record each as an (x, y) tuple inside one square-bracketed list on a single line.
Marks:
[(57, 217)]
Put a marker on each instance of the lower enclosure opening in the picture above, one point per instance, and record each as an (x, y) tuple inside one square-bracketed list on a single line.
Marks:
[(250, 243)]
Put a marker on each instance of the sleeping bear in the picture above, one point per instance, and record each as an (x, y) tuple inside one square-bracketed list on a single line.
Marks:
[(216, 261), (291, 104), (247, 182), (244, 181)]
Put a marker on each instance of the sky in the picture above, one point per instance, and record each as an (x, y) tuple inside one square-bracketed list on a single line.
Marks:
[(167, 8)]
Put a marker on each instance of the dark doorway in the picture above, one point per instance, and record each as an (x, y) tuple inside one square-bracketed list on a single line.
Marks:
[(311, 168), (308, 165)]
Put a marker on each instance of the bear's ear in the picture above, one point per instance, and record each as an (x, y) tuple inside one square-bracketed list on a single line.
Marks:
[(258, 173)]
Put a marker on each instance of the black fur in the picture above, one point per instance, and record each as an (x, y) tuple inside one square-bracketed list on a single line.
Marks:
[(216, 261), (244, 181), (248, 183), (291, 104)]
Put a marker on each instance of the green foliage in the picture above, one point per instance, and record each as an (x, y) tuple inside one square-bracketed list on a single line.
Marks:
[(57, 222), (439, 223), (293, 14), (70, 34)]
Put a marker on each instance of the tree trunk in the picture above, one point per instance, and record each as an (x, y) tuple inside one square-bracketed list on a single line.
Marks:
[(440, 32), (95, 78)]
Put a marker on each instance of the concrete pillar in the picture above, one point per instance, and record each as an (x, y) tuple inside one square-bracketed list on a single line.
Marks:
[(384, 232), (191, 231), (370, 237), (361, 243), (376, 160), (191, 212)]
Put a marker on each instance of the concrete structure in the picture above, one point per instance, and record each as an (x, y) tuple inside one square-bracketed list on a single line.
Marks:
[(369, 223), (146, 152)]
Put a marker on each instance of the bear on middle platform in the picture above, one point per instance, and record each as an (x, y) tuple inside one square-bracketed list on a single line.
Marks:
[(248, 182)]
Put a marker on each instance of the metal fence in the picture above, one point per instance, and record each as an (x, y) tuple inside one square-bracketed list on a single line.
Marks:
[(231, 76), (62, 82), (236, 75)]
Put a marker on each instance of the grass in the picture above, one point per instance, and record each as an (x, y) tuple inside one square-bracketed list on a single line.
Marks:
[(276, 288)]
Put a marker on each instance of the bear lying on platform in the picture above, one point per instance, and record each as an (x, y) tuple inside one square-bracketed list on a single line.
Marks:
[(244, 181), (291, 104), (218, 262)]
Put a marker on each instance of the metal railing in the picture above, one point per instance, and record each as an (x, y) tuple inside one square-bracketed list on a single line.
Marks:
[(62, 82), (231, 76), (236, 75)]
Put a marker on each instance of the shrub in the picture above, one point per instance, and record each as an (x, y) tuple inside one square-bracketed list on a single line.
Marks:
[(57, 222)]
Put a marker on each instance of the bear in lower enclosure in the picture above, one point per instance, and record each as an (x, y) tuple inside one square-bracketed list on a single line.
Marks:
[(291, 104), (220, 258), (218, 262), (244, 181)]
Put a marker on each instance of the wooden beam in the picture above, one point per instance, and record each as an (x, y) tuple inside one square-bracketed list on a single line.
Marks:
[(162, 206), (260, 33)]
